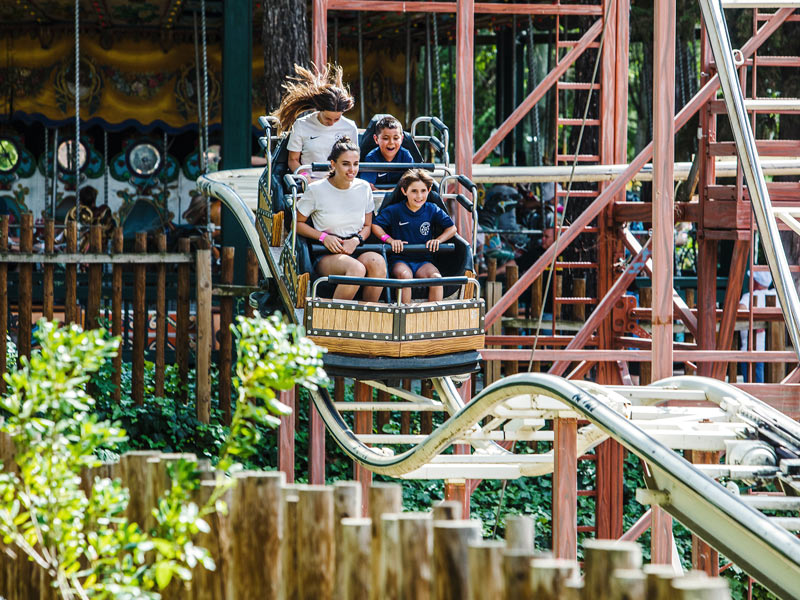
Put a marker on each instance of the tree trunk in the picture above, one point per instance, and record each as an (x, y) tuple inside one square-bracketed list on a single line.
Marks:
[(285, 37)]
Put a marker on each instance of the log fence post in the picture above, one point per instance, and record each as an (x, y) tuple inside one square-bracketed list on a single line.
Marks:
[(315, 542), (204, 335), (116, 314), (161, 317), (451, 540), (139, 323), (25, 288), (225, 355)]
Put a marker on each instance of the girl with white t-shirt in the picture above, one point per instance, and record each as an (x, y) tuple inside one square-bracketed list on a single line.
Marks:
[(314, 134), (341, 207)]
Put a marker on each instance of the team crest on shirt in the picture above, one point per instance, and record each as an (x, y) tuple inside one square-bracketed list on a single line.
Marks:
[(425, 228)]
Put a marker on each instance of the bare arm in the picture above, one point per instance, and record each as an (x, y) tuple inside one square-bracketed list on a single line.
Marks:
[(294, 161), (433, 244), (331, 242)]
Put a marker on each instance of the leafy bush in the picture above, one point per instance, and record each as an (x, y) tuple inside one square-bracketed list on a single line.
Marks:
[(83, 541)]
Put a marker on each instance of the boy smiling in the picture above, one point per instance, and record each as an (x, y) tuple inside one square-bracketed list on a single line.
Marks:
[(389, 138)]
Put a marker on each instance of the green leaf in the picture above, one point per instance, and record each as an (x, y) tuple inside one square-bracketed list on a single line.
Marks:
[(163, 573)]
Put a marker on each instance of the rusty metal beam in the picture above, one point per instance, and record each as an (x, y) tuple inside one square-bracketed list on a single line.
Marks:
[(537, 93), (491, 8), (686, 113), (604, 307), (686, 315), (731, 304), (465, 47), (319, 38)]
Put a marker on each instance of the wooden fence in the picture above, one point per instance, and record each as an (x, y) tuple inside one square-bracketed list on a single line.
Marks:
[(72, 285), (298, 542)]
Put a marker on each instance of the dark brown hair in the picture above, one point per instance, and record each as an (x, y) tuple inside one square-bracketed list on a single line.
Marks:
[(413, 175), (340, 146), (312, 90), (388, 122)]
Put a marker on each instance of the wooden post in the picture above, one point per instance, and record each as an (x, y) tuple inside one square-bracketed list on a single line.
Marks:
[(289, 548), (451, 540), (645, 368), (3, 303), (182, 321), (286, 433), (95, 279), (251, 278), (456, 489), (448, 510), (565, 489), (346, 504), (210, 585), (517, 574), (356, 552), (226, 336), (601, 558), (426, 418), (315, 543), (491, 270), (550, 575), (465, 109), (405, 416), (696, 588), (579, 290), (520, 533), (691, 302), (776, 341), (557, 293), (116, 314), (704, 557), (486, 578), (512, 275), (316, 447), (161, 317), (660, 536), (363, 424), (383, 498), (494, 290), (25, 288), (388, 554), (384, 417), (608, 501), (204, 342), (658, 585), (319, 38), (71, 276), (415, 532), (47, 277), (256, 522), (139, 323), (136, 476), (627, 584), (535, 310)]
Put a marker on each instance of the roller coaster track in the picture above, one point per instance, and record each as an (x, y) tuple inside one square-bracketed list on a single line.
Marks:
[(765, 440)]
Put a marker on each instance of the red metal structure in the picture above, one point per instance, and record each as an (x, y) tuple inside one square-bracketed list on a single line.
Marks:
[(722, 213)]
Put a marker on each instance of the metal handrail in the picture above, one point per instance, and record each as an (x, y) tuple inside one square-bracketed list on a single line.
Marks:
[(719, 39)]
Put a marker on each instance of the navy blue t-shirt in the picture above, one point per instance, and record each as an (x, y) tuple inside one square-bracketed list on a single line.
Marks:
[(401, 223), (385, 178)]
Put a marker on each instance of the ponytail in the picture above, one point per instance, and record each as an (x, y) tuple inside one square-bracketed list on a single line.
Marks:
[(311, 90)]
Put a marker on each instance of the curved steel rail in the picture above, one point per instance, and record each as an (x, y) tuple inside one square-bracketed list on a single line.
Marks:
[(765, 550), (716, 27)]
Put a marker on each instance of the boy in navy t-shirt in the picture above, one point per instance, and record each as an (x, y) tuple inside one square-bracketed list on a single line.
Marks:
[(412, 222), (389, 137)]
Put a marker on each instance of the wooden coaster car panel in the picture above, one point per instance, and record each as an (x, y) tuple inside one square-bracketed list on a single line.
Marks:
[(375, 329)]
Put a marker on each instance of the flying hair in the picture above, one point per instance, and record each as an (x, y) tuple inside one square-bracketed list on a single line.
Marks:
[(340, 146), (310, 89)]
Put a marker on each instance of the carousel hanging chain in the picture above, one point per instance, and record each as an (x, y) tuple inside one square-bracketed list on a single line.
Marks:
[(201, 153), (76, 147), (437, 66), (205, 80)]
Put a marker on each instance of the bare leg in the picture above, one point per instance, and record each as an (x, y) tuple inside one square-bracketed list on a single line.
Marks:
[(342, 264), (375, 266), (402, 271), (436, 292)]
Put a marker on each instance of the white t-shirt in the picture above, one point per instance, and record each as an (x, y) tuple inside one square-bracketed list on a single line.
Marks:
[(340, 212), (759, 301), (314, 141)]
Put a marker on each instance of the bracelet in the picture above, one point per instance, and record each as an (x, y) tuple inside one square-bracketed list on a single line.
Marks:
[(323, 236), (384, 237)]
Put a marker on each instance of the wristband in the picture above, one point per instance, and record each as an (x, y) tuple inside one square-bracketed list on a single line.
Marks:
[(323, 236), (384, 237)]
